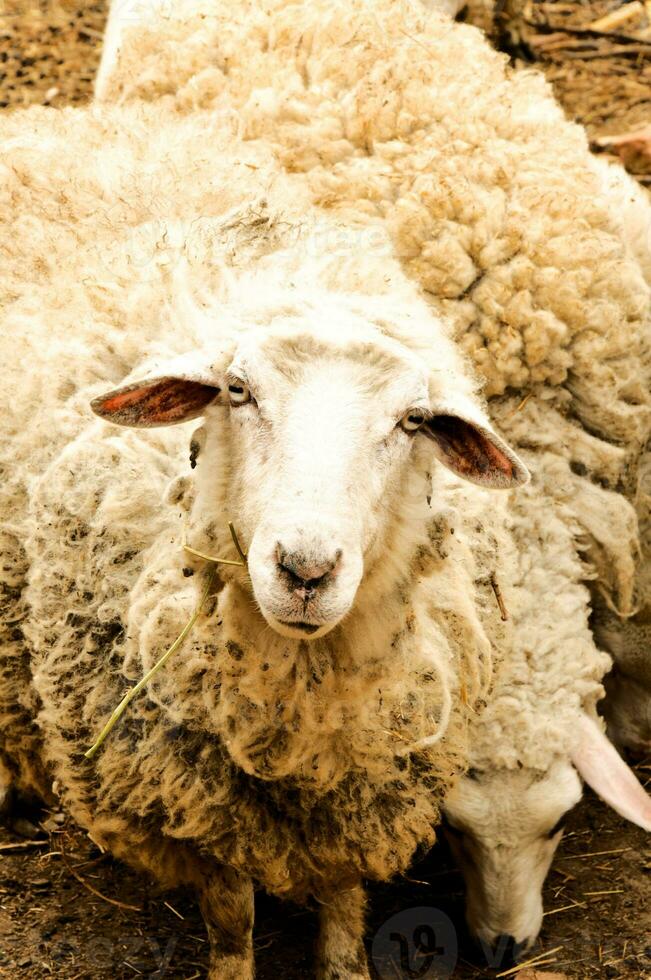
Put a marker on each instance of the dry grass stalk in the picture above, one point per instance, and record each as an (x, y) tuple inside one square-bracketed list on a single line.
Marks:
[(564, 908), (91, 889), (542, 959), (500, 599), (142, 683), (617, 17), (23, 845), (612, 891)]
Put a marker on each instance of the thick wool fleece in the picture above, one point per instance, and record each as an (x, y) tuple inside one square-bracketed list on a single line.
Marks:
[(628, 707), (553, 671), (283, 759), (492, 200)]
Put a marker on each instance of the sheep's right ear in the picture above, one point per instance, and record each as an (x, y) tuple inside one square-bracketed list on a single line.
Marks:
[(156, 401), (602, 767)]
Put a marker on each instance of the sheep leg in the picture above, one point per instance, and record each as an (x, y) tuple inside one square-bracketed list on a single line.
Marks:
[(340, 951), (226, 899)]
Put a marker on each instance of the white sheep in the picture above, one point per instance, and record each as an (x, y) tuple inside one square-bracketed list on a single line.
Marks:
[(304, 735), (505, 818), (628, 704), (534, 252), (536, 735)]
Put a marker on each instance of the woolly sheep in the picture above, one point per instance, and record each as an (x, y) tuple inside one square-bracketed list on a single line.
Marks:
[(628, 704), (504, 818), (161, 254), (515, 233)]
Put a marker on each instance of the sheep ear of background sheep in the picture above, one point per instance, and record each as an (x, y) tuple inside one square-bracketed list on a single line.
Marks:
[(605, 771), (470, 449)]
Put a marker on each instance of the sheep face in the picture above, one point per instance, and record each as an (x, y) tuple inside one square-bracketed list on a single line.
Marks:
[(314, 445), (503, 828), (323, 436)]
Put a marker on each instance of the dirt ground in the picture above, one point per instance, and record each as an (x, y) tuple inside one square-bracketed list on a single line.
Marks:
[(68, 912)]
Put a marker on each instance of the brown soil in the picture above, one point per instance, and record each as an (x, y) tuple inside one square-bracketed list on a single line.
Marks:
[(49, 51), (53, 924), (602, 77)]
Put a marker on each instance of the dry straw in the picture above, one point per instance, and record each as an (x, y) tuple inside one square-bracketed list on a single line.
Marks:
[(142, 683)]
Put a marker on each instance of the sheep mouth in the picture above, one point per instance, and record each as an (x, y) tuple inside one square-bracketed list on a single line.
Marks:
[(303, 627)]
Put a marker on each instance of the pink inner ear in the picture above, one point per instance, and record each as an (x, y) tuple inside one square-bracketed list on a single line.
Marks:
[(599, 763), (469, 451), (161, 402)]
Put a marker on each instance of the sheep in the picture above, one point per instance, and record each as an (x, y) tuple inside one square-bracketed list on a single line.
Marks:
[(534, 252), (305, 734), (504, 819), (628, 704), (533, 739)]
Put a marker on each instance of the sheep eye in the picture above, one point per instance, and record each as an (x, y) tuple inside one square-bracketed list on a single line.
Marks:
[(239, 393), (412, 421)]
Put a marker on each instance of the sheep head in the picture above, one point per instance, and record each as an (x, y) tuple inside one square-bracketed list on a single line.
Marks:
[(504, 827), (318, 442)]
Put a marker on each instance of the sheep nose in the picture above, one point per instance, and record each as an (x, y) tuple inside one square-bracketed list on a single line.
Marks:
[(507, 951), (305, 573)]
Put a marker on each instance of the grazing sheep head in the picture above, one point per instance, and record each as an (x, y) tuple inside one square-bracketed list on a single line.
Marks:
[(318, 438), (504, 826)]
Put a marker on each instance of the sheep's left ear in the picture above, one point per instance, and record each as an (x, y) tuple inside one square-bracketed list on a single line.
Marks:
[(601, 766), (475, 452)]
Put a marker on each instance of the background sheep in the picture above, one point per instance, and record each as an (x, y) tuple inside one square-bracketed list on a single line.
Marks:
[(491, 197), (505, 817), (628, 705), (254, 756)]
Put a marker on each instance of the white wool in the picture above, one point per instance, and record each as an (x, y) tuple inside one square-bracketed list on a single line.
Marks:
[(117, 279), (535, 251)]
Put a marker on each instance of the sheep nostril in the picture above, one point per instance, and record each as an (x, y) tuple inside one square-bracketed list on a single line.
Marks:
[(305, 574)]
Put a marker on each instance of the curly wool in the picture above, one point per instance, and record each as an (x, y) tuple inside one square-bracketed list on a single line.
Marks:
[(288, 766), (293, 796), (489, 193), (553, 671)]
